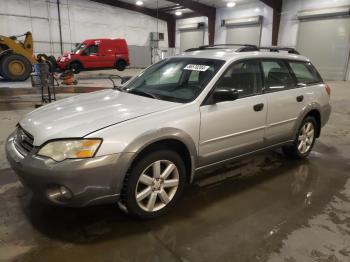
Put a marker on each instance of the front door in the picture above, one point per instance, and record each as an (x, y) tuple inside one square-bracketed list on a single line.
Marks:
[(89, 57), (233, 128)]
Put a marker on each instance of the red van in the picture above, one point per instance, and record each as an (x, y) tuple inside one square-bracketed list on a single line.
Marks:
[(94, 54)]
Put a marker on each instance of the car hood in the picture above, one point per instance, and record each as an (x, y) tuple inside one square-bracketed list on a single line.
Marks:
[(83, 114)]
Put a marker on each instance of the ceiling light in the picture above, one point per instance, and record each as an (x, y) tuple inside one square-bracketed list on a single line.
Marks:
[(139, 3), (230, 4), (178, 13)]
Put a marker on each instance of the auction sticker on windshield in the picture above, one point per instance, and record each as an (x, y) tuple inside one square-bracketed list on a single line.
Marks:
[(196, 67)]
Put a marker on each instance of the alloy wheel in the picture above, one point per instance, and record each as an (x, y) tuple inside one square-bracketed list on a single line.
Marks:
[(306, 137), (157, 185)]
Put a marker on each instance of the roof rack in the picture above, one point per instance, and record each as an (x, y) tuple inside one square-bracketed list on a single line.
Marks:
[(243, 47), (246, 48), (290, 50)]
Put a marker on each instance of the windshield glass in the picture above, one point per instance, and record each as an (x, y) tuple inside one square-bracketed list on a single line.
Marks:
[(78, 48), (175, 79)]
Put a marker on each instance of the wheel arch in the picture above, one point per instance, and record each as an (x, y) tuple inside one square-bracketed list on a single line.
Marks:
[(76, 61), (171, 138), (310, 110)]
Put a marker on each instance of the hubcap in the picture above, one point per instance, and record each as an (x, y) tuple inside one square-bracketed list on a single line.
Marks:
[(306, 137), (16, 67), (157, 185)]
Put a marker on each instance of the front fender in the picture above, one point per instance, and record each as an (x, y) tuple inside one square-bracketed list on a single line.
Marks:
[(157, 135), (133, 149)]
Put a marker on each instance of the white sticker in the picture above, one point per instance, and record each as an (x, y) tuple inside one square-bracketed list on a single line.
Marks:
[(196, 67)]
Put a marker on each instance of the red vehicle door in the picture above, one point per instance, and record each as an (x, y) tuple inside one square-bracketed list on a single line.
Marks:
[(89, 56)]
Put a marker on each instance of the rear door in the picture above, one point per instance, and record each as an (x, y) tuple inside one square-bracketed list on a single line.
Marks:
[(285, 100), (235, 127)]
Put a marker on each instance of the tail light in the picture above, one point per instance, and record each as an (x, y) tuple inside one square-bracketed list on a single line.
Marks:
[(328, 89)]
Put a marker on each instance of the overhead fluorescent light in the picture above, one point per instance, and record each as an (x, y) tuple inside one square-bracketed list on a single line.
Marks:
[(178, 13), (139, 3), (231, 4)]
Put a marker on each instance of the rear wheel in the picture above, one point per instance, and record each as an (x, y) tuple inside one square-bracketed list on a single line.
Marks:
[(75, 67), (304, 141), (154, 184), (15, 67), (121, 64)]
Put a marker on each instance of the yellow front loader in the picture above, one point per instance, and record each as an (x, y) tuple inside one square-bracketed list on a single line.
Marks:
[(16, 57)]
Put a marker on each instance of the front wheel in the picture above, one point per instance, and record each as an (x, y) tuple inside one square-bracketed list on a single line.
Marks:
[(154, 184), (75, 67), (304, 141)]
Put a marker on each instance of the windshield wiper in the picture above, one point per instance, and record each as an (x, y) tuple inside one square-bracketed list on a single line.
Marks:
[(141, 93)]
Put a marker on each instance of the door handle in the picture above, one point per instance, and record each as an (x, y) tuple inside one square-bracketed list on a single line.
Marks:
[(300, 98), (258, 107)]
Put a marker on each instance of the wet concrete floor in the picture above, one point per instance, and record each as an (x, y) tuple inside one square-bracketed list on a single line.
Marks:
[(264, 208)]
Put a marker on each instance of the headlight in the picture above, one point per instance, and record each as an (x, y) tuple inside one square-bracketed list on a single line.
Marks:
[(63, 149)]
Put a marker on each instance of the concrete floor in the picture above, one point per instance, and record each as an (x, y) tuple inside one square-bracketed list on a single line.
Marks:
[(265, 208)]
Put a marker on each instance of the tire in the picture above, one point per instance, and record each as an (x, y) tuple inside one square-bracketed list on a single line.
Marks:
[(141, 181), (121, 64), (15, 67), (75, 67), (304, 140)]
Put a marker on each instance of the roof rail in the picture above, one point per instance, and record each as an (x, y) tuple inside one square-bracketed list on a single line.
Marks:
[(243, 47), (246, 48), (290, 50)]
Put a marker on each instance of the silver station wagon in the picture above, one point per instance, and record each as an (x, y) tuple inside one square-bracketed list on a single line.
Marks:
[(139, 144)]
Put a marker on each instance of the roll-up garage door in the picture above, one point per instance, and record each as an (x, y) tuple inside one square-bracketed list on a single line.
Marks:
[(243, 31), (326, 41), (191, 36)]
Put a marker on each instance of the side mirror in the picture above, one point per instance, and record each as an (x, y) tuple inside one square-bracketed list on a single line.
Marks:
[(125, 79), (83, 53), (223, 94)]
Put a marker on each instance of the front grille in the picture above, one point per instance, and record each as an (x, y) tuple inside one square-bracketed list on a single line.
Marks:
[(23, 141)]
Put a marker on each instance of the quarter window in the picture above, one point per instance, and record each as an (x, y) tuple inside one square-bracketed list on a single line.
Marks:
[(243, 76), (277, 76), (304, 72)]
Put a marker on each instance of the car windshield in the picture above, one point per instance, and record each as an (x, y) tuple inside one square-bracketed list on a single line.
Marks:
[(175, 79), (78, 48)]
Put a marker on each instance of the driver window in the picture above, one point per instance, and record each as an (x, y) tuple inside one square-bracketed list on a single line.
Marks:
[(92, 49), (244, 76)]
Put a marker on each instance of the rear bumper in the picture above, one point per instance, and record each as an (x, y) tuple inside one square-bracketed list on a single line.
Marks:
[(83, 181)]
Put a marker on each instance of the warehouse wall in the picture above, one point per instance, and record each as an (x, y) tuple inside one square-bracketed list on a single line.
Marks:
[(194, 20), (241, 11), (81, 19), (290, 24)]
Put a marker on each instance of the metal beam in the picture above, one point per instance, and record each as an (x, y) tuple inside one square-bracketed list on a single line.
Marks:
[(204, 10), (170, 19), (276, 5)]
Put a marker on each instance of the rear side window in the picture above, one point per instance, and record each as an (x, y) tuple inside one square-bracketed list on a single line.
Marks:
[(305, 73), (277, 76)]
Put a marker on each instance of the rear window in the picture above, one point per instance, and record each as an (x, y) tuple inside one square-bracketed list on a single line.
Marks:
[(305, 73)]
